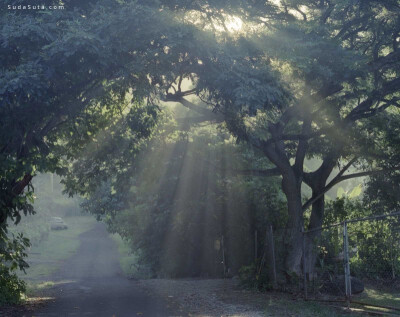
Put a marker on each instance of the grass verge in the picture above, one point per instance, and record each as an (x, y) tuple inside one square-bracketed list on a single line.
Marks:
[(373, 296), (302, 308), (46, 258)]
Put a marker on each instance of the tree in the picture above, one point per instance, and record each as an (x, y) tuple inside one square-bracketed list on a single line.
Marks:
[(341, 65)]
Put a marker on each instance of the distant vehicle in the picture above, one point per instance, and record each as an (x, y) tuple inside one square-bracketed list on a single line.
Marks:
[(57, 223)]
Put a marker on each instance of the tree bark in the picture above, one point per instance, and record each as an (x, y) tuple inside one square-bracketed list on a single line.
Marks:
[(291, 186), (17, 189), (317, 182), (316, 221)]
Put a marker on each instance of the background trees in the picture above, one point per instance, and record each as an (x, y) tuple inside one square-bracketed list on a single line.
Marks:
[(182, 196)]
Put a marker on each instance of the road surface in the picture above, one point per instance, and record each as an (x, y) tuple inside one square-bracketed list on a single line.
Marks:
[(91, 283)]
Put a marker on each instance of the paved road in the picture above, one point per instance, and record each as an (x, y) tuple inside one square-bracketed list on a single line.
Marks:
[(92, 284)]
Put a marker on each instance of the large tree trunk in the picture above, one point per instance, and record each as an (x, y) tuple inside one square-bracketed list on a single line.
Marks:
[(317, 182), (316, 220), (291, 186)]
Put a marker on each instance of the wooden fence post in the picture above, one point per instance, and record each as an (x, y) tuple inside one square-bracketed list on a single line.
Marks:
[(255, 247), (223, 255), (304, 265), (271, 256)]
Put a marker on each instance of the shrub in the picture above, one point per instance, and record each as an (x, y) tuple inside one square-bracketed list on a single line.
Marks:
[(11, 287), (12, 255), (251, 277)]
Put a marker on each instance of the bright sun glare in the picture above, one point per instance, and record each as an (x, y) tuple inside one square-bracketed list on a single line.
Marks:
[(234, 24)]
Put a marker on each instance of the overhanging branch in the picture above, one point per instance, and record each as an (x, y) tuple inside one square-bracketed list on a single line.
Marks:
[(20, 185), (340, 178), (190, 105)]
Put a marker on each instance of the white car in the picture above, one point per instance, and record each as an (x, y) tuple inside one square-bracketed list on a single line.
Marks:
[(57, 223)]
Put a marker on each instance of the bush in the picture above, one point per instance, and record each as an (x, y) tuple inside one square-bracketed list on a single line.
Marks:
[(12, 255), (11, 287), (251, 278)]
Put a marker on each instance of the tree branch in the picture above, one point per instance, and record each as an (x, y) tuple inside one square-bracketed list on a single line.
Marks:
[(190, 105), (324, 17), (339, 178), (20, 185), (364, 108), (302, 147)]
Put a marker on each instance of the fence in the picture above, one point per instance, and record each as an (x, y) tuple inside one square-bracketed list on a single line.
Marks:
[(323, 269), (357, 261)]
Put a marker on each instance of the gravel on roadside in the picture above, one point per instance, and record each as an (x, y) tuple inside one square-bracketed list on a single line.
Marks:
[(205, 298)]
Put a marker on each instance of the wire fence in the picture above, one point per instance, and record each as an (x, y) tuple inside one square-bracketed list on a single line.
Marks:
[(356, 262), (323, 269)]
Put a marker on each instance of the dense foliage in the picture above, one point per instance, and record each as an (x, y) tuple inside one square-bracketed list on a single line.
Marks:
[(374, 251), (182, 198), (12, 259)]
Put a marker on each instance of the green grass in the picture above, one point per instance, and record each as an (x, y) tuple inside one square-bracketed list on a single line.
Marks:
[(34, 227), (377, 297), (286, 307), (46, 258)]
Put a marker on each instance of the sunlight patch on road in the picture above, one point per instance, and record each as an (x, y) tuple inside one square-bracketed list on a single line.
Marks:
[(48, 284), (33, 300)]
